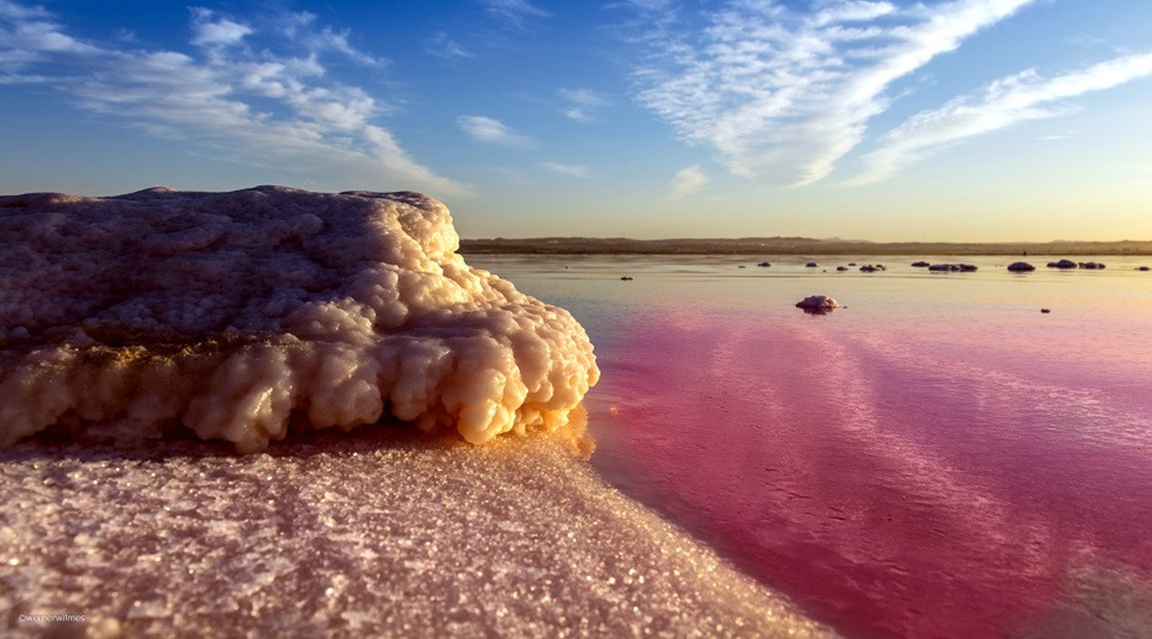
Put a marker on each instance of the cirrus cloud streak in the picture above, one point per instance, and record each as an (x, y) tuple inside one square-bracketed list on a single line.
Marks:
[(260, 103), (485, 129), (782, 95), (1005, 102)]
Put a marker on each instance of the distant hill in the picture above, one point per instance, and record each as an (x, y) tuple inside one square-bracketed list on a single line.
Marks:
[(789, 246)]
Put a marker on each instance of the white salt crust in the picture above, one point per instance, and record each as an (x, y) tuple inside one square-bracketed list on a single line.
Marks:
[(243, 315), (358, 535)]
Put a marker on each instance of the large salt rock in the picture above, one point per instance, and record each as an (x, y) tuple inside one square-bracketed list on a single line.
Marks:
[(242, 315)]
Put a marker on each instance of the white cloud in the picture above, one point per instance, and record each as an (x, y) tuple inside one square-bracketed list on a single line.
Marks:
[(29, 35), (208, 32), (783, 95), (853, 11), (571, 170), (1008, 101), (578, 114), (688, 181), (485, 129), (14, 11), (313, 125)]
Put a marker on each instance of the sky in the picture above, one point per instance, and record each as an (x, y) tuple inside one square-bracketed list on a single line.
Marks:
[(936, 120)]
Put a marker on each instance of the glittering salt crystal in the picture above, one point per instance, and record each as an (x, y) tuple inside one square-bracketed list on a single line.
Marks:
[(182, 506), (148, 610)]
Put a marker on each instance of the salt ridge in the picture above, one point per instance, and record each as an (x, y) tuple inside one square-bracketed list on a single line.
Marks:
[(244, 315)]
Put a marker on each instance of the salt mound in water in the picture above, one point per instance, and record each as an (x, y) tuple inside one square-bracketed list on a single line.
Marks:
[(239, 315)]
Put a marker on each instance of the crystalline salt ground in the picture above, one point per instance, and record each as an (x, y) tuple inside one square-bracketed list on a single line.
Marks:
[(377, 534)]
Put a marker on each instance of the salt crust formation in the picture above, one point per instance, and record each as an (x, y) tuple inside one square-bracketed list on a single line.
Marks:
[(246, 315)]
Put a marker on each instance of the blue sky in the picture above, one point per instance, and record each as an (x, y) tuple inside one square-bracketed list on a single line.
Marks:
[(963, 120)]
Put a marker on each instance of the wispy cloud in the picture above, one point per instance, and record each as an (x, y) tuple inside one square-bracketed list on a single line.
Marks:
[(485, 129), (1005, 102), (578, 114), (442, 45), (300, 28), (585, 97), (29, 35), (581, 102), (688, 181), (306, 120), (783, 95), (571, 170), (514, 12)]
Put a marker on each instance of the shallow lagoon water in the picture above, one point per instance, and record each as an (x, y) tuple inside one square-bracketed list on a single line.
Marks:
[(938, 458)]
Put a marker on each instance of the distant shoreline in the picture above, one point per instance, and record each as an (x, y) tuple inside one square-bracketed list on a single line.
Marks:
[(790, 246)]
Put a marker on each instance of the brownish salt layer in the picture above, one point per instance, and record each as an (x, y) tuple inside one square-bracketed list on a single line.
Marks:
[(385, 536), (239, 315)]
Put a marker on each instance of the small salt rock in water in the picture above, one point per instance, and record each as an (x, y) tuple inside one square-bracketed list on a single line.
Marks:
[(955, 268), (626, 278), (1045, 310), (818, 304), (1021, 267)]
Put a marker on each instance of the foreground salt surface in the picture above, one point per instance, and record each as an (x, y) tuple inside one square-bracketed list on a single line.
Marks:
[(244, 315), (374, 534)]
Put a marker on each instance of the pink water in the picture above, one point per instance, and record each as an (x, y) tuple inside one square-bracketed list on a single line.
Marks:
[(938, 459)]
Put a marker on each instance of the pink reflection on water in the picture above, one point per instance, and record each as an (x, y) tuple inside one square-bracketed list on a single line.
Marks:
[(892, 487)]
